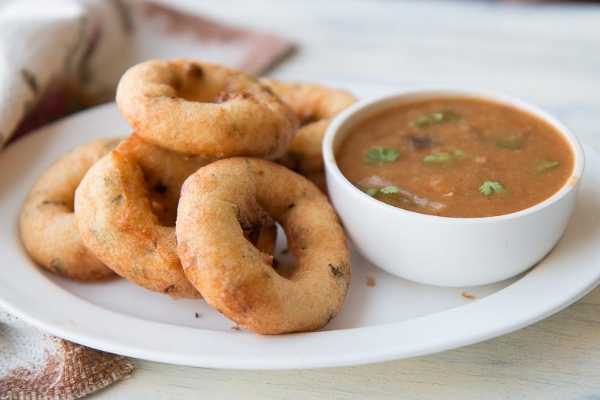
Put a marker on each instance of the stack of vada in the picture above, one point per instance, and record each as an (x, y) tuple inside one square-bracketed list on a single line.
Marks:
[(188, 203)]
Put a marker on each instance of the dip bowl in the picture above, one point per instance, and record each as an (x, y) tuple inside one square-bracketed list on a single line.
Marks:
[(439, 250)]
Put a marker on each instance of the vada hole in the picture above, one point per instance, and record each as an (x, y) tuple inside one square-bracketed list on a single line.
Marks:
[(196, 92), (284, 261), (309, 119), (162, 202)]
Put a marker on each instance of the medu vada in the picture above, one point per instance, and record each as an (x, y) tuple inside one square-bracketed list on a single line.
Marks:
[(233, 276), (200, 108), (318, 178), (48, 226), (126, 206), (315, 106)]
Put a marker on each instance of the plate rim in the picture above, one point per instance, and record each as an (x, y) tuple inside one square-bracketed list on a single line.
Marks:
[(358, 340)]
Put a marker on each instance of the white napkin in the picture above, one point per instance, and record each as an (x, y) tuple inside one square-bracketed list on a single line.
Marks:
[(58, 57)]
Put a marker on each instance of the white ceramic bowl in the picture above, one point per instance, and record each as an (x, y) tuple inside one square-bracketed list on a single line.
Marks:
[(440, 250)]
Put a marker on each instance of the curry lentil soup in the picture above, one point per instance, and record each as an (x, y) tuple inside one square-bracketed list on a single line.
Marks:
[(456, 157)]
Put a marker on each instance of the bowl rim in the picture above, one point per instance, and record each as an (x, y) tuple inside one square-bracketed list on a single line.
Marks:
[(398, 97)]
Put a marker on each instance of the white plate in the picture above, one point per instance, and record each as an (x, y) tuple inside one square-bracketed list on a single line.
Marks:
[(392, 320)]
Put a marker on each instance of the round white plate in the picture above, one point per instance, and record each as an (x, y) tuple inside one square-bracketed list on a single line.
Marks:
[(393, 319)]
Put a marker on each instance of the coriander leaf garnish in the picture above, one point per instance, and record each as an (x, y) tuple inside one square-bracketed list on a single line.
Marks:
[(389, 190), (380, 155), (545, 166), (488, 188), (442, 157), (513, 142), (434, 118)]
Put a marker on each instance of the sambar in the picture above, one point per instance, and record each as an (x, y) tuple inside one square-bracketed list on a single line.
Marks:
[(456, 157)]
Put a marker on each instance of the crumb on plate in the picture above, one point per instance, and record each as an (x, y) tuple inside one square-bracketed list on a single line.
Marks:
[(468, 296), (370, 281)]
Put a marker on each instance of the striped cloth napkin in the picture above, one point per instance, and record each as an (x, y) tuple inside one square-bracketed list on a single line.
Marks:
[(55, 60)]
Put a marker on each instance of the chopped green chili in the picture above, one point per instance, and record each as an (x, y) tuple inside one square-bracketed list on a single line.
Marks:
[(389, 190), (545, 166), (442, 157), (513, 142), (434, 118), (374, 191)]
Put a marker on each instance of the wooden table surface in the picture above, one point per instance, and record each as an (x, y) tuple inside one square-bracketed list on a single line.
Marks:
[(549, 55)]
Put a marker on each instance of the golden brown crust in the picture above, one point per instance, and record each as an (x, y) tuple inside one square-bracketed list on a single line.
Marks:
[(125, 207), (318, 178), (232, 275), (315, 106), (201, 108), (47, 223)]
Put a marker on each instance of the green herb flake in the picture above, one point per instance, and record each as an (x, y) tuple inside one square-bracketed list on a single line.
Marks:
[(372, 191), (545, 166), (488, 188), (379, 155), (513, 142), (437, 158), (458, 154), (442, 157), (389, 190), (434, 118)]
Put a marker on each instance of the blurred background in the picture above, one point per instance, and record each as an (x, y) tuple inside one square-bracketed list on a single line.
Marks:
[(545, 52)]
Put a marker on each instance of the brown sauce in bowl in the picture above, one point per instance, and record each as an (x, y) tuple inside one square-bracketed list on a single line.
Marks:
[(456, 157)]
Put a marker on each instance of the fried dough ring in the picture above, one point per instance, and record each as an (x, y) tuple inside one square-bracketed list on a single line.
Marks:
[(318, 178), (232, 276), (201, 108), (126, 207), (315, 106), (122, 221), (48, 227)]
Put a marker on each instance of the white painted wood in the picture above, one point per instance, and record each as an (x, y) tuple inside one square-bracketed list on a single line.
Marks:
[(549, 55)]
